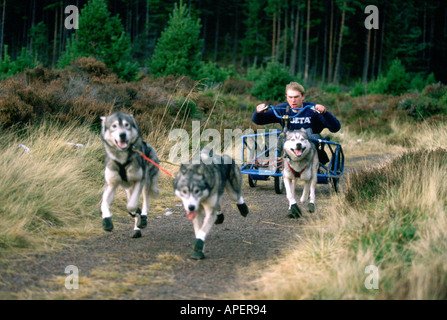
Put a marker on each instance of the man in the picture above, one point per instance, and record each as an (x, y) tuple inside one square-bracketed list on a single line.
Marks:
[(315, 120)]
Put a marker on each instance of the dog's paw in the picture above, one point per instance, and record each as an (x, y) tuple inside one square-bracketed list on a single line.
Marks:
[(243, 209), (197, 253), (220, 219), (311, 207), (136, 234), (141, 221), (294, 212), (107, 224)]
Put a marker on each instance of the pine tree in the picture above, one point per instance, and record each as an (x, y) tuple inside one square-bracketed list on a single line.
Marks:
[(179, 46), (103, 37)]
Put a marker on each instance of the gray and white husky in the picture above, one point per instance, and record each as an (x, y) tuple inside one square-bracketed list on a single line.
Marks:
[(125, 167), (301, 163), (201, 186)]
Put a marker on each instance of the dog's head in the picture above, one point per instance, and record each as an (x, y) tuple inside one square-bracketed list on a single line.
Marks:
[(191, 187), (119, 130), (297, 144)]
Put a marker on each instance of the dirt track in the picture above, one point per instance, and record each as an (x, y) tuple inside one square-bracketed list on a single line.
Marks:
[(156, 266)]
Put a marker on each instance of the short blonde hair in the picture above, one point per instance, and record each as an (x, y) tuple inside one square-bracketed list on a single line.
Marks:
[(296, 87)]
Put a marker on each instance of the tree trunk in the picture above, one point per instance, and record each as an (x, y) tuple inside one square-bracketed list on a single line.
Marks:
[(431, 43), (331, 36), (33, 22), (366, 62), (55, 37), (340, 42), (147, 29), (295, 42), (3, 29), (300, 55), (274, 36), (216, 38), (284, 63), (306, 66), (236, 34), (373, 66), (323, 75), (379, 67)]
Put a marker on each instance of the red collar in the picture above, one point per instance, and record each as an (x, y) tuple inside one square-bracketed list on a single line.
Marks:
[(297, 174)]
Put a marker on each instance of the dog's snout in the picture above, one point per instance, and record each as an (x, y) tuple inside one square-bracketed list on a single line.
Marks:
[(123, 136), (191, 207)]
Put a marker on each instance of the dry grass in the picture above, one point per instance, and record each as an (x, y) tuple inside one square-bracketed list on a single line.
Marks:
[(50, 190)]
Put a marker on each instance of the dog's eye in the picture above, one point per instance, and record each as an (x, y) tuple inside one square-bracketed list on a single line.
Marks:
[(127, 125), (185, 191), (114, 126), (196, 191)]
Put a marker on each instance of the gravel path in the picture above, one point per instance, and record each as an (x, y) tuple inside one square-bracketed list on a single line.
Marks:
[(156, 266)]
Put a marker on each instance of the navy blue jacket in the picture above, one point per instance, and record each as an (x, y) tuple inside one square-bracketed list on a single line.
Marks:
[(307, 119)]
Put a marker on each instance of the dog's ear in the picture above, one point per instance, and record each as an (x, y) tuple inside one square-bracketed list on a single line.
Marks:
[(201, 168), (103, 122), (183, 168), (304, 132)]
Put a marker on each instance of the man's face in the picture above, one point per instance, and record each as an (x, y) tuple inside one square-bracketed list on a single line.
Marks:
[(295, 98)]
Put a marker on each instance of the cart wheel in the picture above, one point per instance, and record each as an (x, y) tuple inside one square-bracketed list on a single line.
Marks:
[(279, 182), (335, 182), (252, 182)]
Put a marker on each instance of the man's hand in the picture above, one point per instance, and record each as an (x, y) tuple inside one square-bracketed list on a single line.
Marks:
[(261, 108), (320, 108)]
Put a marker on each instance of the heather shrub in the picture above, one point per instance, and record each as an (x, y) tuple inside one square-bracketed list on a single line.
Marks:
[(237, 86), (435, 91), (13, 111)]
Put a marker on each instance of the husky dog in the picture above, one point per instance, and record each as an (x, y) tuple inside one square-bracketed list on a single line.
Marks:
[(125, 167), (302, 163), (201, 186)]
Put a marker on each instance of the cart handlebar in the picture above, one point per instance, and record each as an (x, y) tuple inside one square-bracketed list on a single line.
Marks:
[(286, 116)]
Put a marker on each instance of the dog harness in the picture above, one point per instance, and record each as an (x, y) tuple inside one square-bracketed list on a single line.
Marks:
[(296, 174), (122, 169)]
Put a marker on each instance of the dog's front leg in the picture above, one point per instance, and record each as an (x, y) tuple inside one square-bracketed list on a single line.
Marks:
[(133, 195), (305, 194), (290, 184), (107, 198), (208, 221)]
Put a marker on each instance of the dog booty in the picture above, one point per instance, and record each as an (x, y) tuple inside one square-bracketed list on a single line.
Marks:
[(220, 219), (136, 234), (107, 224), (142, 221), (311, 207), (294, 212), (197, 253), (243, 209)]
